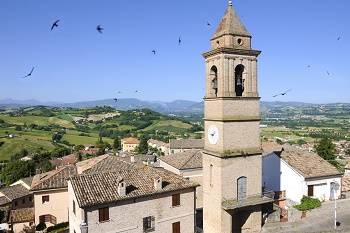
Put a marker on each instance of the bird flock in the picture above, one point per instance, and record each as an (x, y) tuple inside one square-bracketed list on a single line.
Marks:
[(100, 30)]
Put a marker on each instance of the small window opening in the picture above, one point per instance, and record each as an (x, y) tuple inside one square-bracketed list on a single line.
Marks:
[(239, 81)]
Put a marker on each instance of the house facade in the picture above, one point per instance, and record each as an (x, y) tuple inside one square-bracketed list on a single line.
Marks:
[(50, 192), (297, 173), (159, 145), (151, 200), (187, 164), (129, 144)]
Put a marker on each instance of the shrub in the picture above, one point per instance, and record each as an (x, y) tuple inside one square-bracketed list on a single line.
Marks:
[(41, 226), (58, 226), (308, 203)]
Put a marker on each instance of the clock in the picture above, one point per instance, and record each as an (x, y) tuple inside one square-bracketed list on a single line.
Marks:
[(213, 134)]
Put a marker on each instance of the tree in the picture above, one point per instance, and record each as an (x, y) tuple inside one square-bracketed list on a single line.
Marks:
[(56, 137), (347, 152), (326, 149), (16, 170), (116, 144), (143, 146)]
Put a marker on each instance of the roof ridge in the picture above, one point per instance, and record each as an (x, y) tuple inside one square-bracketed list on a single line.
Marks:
[(190, 157)]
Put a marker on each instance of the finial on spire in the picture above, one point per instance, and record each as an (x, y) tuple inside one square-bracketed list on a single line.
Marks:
[(230, 3)]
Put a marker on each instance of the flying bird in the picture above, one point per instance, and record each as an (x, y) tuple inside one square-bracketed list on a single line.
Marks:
[(30, 73), (154, 52), (283, 93), (55, 24), (119, 92), (137, 91), (180, 41), (308, 66), (208, 24), (339, 38), (328, 73), (115, 99), (99, 29)]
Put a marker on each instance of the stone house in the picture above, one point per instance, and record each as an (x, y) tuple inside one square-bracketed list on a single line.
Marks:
[(16, 197), (187, 164), (51, 195), (181, 145), (161, 146), (129, 144), (151, 199), (21, 219), (293, 173)]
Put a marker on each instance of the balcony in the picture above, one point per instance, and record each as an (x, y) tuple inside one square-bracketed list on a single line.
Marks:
[(259, 199)]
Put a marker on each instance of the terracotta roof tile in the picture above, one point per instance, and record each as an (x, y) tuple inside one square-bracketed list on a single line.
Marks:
[(53, 179), (185, 160), (186, 143), (14, 192), (22, 215), (130, 140), (100, 185), (306, 163)]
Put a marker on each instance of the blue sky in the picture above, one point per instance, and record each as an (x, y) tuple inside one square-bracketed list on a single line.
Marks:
[(75, 63)]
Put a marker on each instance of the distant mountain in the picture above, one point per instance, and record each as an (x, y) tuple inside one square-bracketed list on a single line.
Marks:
[(174, 107)]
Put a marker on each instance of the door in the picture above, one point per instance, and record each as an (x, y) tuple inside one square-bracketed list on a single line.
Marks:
[(176, 227), (241, 188)]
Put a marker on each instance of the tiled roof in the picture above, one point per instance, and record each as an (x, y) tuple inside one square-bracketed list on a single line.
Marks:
[(185, 160), (4, 200), (14, 192), (306, 163), (101, 188), (269, 147), (186, 143), (22, 215), (157, 142), (110, 164), (28, 180), (53, 179), (130, 140), (87, 164), (231, 24), (138, 158), (65, 160)]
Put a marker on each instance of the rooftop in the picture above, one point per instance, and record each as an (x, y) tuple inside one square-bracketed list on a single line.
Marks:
[(308, 164), (130, 140), (157, 142), (186, 143), (14, 192), (53, 179), (109, 164), (101, 188), (190, 159), (65, 160), (22, 215)]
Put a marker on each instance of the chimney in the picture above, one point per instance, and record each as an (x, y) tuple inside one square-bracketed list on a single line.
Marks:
[(132, 158), (158, 183), (121, 187)]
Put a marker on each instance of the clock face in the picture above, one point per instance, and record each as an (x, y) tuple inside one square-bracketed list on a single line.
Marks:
[(213, 134)]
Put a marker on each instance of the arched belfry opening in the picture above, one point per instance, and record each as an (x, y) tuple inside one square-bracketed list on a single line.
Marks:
[(239, 81), (214, 80)]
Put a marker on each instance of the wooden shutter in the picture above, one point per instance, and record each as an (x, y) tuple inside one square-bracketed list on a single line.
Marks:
[(310, 190), (42, 218), (74, 207), (176, 200), (241, 188), (176, 227), (53, 219), (103, 214)]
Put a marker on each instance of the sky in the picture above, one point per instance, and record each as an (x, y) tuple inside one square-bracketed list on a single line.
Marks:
[(76, 63)]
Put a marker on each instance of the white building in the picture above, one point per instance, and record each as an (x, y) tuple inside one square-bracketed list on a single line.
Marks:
[(159, 145), (187, 164), (298, 173), (116, 196)]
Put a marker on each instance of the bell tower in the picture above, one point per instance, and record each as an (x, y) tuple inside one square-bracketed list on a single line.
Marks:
[(232, 160)]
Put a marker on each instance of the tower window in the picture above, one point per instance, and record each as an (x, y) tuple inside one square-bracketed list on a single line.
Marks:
[(239, 81), (214, 80), (239, 41)]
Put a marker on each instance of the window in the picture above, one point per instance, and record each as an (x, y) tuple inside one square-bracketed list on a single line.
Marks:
[(45, 199), (148, 224), (48, 218), (23, 200), (176, 227), (15, 203), (74, 207), (214, 80), (103, 214), (239, 81), (30, 199), (241, 188), (176, 200), (310, 190)]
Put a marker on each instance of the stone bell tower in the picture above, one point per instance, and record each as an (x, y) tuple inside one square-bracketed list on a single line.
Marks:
[(232, 161)]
